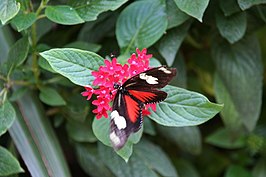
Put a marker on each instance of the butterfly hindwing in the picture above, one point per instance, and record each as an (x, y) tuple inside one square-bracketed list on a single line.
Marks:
[(126, 118), (147, 96)]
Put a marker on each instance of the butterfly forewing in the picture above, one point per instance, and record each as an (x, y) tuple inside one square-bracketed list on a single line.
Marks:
[(151, 79), (131, 97)]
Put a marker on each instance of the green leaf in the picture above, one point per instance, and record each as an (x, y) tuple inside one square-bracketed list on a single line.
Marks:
[(245, 4), (180, 65), (44, 64), (185, 168), (62, 14), (80, 131), (239, 67), (90, 161), (174, 15), (229, 7), (225, 139), (170, 43), (149, 127), (101, 129), (232, 27), (230, 116), (193, 8), (7, 38), (95, 31), (236, 171), (184, 108), (41, 61), (259, 170), (144, 161), (18, 93), (51, 97), (18, 52), (77, 108), (89, 10), (74, 64), (84, 46), (8, 163), (141, 24), (36, 141), (43, 25), (151, 153), (8, 10), (23, 21), (187, 138), (7, 116)]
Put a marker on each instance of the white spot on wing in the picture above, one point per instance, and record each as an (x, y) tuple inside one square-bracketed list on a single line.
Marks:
[(165, 70), (119, 121), (148, 79), (115, 139)]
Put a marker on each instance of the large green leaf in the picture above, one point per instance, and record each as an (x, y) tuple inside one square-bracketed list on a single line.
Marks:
[(80, 131), (146, 159), (240, 69), (23, 21), (89, 10), (187, 138), (230, 116), (193, 8), (36, 141), (74, 64), (141, 24), (7, 116), (229, 7), (236, 170), (51, 97), (65, 15), (8, 10), (185, 168), (232, 27), (18, 52), (8, 163), (245, 4), (170, 43), (181, 79), (90, 161), (101, 129), (174, 15), (225, 139), (184, 108), (259, 170)]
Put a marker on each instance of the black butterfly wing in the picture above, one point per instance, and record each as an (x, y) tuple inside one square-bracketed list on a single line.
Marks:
[(151, 79), (126, 118)]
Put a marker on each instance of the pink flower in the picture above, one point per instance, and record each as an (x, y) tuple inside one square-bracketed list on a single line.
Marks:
[(111, 73), (88, 93)]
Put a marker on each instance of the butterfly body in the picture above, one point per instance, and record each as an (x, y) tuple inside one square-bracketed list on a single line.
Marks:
[(131, 98)]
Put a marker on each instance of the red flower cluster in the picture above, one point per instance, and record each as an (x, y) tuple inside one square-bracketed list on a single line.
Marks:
[(111, 73)]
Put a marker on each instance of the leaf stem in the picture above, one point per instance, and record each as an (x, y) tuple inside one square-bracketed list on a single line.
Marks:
[(3, 78), (35, 67)]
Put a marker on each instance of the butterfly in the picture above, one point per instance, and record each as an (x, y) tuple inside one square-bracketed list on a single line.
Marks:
[(131, 98)]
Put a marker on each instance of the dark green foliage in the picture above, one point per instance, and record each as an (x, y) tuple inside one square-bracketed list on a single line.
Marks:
[(49, 49)]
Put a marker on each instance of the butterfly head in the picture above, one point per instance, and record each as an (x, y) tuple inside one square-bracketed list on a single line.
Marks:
[(117, 86)]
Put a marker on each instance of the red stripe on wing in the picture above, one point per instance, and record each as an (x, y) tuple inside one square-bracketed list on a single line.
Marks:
[(132, 109), (142, 96)]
